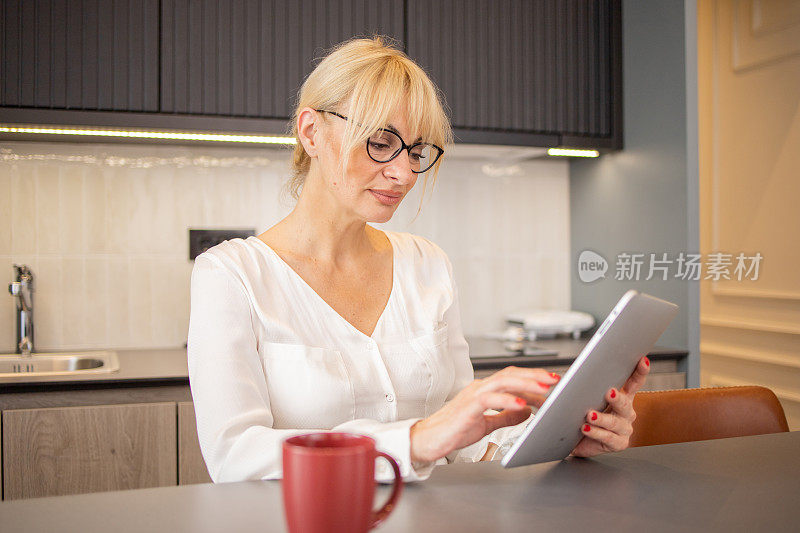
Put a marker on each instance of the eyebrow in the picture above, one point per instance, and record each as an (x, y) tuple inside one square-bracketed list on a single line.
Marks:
[(394, 130)]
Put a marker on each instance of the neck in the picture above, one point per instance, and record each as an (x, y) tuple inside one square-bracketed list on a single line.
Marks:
[(322, 230)]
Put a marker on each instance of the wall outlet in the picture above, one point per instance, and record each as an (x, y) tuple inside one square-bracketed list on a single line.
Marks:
[(201, 240)]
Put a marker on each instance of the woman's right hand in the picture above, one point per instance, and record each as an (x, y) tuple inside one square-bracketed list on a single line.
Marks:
[(462, 421)]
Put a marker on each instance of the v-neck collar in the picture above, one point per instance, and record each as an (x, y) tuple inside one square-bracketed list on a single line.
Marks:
[(303, 282)]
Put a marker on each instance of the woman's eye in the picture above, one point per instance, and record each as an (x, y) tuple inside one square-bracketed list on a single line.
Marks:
[(378, 145), (417, 157)]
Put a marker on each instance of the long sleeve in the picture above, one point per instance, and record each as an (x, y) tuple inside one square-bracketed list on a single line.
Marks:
[(231, 397)]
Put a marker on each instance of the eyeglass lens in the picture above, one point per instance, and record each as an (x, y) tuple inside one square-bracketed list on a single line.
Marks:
[(385, 145)]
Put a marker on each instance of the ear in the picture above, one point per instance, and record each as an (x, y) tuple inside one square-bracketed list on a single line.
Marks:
[(308, 130)]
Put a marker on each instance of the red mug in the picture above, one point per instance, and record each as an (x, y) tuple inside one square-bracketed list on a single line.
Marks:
[(329, 483)]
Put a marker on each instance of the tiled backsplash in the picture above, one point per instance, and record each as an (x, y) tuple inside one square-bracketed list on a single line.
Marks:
[(104, 229)]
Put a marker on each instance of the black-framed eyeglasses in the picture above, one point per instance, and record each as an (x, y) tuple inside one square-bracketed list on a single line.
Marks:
[(384, 145)]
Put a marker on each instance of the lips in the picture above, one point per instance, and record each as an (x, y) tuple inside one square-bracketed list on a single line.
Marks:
[(391, 194), (386, 197)]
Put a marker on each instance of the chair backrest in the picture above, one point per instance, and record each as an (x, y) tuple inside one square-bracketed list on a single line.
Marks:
[(685, 415)]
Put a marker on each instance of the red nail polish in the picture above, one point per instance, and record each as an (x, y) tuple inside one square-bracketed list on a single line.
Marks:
[(613, 393), (647, 361), (554, 375), (594, 416), (520, 401), (586, 427)]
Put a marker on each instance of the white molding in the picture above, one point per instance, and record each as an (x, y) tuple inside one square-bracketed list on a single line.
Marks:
[(721, 350), (755, 47), (757, 293), (752, 325)]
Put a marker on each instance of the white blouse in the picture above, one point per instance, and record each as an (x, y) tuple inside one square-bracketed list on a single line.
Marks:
[(269, 358)]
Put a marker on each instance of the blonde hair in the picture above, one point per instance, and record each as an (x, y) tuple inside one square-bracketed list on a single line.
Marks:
[(367, 80)]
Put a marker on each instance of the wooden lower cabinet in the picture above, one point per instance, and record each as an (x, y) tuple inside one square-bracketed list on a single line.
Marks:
[(191, 466), (73, 450)]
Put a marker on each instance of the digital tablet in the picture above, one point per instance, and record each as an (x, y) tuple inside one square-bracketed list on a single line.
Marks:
[(607, 360)]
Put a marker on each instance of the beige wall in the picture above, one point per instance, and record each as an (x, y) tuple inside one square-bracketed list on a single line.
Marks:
[(749, 132), (104, 228)]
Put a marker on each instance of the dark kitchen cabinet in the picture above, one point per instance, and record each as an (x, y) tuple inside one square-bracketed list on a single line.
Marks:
[(543, 70), (525, 72), (89, 55), (249, 58)]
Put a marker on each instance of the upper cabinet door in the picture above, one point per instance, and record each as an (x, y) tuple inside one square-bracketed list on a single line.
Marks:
[(89, 55), (248, 58), (548, 67)]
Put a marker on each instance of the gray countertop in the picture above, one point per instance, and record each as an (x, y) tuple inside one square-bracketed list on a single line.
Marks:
[(168, 365), (146, 366), (739, 484)]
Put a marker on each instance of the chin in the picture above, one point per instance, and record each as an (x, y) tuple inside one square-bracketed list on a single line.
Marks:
[(380, 218)]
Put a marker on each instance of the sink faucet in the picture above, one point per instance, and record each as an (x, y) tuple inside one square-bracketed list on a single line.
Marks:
[(22, 289)]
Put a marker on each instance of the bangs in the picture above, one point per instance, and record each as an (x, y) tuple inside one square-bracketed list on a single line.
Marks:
[(385, 88), (369, 82)]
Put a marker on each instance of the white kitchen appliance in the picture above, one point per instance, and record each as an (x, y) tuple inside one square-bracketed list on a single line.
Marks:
[(548, 323)]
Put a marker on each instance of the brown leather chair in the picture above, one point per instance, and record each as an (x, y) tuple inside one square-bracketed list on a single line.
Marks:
[(664, 417)]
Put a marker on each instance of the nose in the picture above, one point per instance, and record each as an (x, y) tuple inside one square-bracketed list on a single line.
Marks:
[(399, 168)]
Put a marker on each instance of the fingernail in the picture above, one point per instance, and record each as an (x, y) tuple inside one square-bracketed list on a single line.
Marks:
[(613, 393), (594, 416), (647, 361), (520, 401), (554, 375), (586, 427)]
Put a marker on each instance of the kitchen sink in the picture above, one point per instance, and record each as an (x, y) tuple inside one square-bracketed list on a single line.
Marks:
[(58, 364)]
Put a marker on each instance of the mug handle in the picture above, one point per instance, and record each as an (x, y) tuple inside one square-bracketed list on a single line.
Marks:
[(381, 514)]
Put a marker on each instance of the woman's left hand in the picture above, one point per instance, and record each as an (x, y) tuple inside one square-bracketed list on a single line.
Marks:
[(610, 431)]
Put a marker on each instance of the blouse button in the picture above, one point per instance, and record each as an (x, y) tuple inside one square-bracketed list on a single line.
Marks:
[(389, 398)]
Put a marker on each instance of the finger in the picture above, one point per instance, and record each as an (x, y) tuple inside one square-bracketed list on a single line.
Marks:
[(500, 400), (638, 377), (611, 422), (535, 399), (506, 418), (513, 384), (608, 440), (621, 404), (537, 374)]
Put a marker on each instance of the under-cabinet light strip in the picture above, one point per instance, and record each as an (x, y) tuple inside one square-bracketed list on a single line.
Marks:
[(572, 153), (141, 134)]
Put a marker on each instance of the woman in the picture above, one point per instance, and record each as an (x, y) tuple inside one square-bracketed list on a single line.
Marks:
[(323, 322)]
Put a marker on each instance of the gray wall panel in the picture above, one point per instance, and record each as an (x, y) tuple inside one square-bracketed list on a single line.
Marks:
[(71, 54), (238, 58), (248, 58), (253, 52), (224, 58), (87, 26), (535, 66), (27, 53), (517, 65), (9, 66), (105, 66), (74, 57), (638, 200), (41, 65), (150, 56), (167, 50), (121, 21), (136, 64), (191, 46)]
